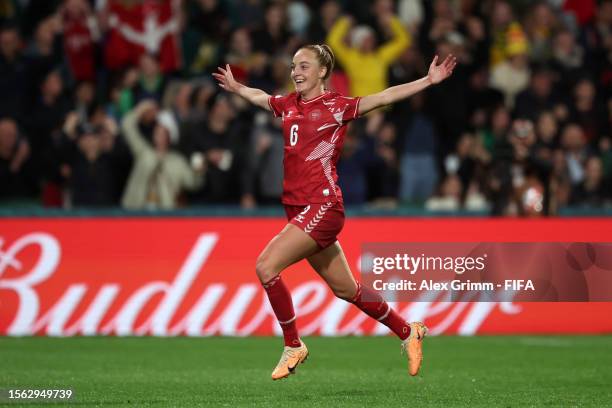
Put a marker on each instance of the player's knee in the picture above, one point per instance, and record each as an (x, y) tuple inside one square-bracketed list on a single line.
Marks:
[(265, 269), (345, 293)]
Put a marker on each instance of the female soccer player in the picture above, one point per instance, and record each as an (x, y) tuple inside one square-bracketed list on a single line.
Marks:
[(314, 124)]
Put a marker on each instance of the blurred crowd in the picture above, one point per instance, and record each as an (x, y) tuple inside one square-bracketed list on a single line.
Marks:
[(111, 102)]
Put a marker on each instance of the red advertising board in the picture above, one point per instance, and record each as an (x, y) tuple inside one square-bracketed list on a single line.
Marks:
[(195, 276)]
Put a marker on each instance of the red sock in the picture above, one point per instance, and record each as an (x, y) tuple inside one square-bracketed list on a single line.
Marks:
[(280, 299), (372, 304)]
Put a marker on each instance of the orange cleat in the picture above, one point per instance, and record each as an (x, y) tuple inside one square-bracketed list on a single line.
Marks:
[(290, 359), (413, 346)]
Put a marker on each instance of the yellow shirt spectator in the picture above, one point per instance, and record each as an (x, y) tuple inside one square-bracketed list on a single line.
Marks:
[(367, 70)]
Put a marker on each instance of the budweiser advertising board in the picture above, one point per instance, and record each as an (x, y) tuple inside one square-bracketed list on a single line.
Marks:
[(195, 276)]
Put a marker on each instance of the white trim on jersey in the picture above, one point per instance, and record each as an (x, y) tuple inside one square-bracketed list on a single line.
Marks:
[(271, 107), (324, 152), (357, 108), (313, 99), (327, 125)]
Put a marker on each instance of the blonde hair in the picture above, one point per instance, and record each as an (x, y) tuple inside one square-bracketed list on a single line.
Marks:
[(325, 56)]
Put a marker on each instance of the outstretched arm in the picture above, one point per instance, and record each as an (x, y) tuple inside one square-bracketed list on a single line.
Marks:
[(226, 81), (436, 74)]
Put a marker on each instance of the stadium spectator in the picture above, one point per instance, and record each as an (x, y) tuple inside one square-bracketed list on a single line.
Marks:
[(449, 117), (264, 174), (573, 142), (596, 38), (497, 128), (465, 161), (274, 37), (151, 83), (329, 12), (90, 168), (113, 143), (43, 54), (365, 63), (538, 97), (560, 183), (511, 75), (209, 18), (530, 197), (587, 110), (48, 112), (13, 74), (247, 13), (540, 26), (506, 33), (84, 99), (547, 131), (10, 12), (220, 140), (384, 176), (45, 119), (418, 169), (244, 61), (481, 98), (567, 58), (411, 13), (440, 24), (80, 35), (159, 174), (530, 173), (580, 11), (204, 29), (121, 96), (177, 98), (299, 16), (408, 67), (357, 159), (605, 150), (449, 196), (16, 176), (591, 192)]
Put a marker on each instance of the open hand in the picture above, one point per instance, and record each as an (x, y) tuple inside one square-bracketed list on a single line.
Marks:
[(226, 79), (438, 73), (146, 110)]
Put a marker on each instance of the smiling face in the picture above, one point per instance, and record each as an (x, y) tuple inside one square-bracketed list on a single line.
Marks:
[(307, 73)]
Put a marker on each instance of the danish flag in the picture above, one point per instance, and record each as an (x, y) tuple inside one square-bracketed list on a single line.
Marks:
[(150, 26)]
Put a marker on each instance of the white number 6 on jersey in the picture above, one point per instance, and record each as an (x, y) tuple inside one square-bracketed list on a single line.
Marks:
[(293, 135)]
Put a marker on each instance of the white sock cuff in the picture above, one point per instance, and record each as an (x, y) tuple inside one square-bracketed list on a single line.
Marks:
[(288, 321), (383, 317)]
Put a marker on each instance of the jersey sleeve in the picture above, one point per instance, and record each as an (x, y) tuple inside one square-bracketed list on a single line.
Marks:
[(352, 108), (277, 104)]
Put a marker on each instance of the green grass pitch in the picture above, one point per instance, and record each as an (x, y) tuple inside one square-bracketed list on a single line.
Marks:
[(504, 371)]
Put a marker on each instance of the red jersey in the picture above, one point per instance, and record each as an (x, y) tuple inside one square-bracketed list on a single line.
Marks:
[(314, 132)]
